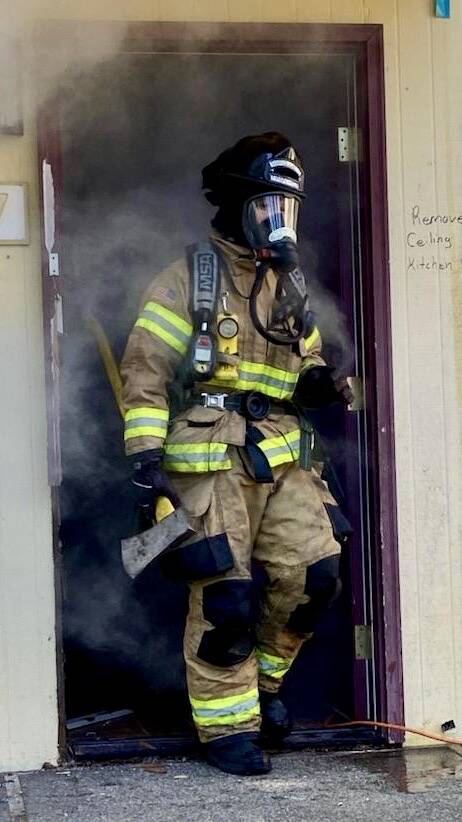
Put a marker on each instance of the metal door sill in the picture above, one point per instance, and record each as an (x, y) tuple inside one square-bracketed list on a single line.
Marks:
[(140, 747)]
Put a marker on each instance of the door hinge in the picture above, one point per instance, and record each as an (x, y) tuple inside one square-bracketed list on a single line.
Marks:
[(53, 268), (348, 144), (363, 642)]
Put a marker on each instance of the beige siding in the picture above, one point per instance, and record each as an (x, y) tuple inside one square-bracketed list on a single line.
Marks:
[(28, 719), (424, 134), (419, 132)]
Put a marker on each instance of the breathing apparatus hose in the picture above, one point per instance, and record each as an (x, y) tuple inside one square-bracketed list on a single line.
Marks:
[(272, 336)]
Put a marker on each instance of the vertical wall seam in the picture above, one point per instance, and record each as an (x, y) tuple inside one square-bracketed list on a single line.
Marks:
[(403, 195)]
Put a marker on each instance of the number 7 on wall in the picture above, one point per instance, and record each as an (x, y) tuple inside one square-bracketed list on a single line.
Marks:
[(3, 199)]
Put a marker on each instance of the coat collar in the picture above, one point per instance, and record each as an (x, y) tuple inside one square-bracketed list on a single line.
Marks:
[(241, 260), (234, 252)]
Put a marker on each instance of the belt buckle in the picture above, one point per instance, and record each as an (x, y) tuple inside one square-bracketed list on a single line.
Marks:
[(213, 400)]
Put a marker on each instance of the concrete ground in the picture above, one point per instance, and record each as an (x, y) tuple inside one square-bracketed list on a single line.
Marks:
[(423, 785)]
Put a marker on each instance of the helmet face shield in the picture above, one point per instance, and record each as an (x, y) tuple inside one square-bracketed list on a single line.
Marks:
[(270, 218)]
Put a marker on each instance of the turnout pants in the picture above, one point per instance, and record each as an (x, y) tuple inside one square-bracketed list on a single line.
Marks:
[(234, 645)]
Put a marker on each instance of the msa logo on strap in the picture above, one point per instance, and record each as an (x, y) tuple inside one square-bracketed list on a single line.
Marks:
[(206, 266), (205, 279), (205, 283)]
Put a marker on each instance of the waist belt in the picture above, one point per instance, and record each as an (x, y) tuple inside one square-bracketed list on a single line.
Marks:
[(255, 406), (251, 404)]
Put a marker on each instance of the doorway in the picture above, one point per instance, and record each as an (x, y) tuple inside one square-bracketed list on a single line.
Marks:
[(133, 137)]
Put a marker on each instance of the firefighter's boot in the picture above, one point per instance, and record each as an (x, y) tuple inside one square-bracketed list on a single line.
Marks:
[(237, 754), (276, 722)]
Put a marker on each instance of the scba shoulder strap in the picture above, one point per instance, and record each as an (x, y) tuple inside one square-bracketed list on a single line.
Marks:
[(204, 272)]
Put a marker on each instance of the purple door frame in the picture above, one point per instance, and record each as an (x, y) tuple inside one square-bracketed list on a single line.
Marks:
[(366, 43)]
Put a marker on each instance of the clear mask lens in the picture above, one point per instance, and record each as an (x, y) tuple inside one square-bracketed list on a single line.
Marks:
[(270, 218)]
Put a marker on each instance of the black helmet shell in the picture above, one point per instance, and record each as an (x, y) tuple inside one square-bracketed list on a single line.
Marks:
[(255, 165)]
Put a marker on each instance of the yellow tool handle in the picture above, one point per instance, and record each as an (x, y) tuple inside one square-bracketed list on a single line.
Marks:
[(163, 505), (163, 508), (110, 365)]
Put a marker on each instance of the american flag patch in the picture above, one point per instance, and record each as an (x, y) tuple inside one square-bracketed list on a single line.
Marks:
[(167, 295)]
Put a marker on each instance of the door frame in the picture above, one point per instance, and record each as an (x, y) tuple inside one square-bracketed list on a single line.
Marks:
[(366, 42)]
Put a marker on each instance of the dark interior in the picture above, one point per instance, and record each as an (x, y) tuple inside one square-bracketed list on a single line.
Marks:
[(136, 133)]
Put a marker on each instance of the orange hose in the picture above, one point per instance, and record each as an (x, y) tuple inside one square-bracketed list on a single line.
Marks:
[(439, 737)]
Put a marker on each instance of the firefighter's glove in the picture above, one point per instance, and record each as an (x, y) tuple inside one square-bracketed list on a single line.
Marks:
[(149, 482), (320, 386)]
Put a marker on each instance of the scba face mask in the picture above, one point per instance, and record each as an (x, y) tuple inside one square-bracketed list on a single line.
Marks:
[(269, 217), (270, 226), (269, 222), (258, 185)]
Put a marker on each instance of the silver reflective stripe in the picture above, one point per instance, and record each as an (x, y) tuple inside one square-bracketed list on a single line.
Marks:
[(229, 710), (291, 448), (264, 665), (138, 422), (248, 376), (274, 452), (187, 456), (165, 324)]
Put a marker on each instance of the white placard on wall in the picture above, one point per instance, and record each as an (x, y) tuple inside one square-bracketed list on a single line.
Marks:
[(14, 228)]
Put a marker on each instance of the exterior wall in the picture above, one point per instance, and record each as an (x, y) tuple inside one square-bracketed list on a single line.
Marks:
[(424, 133), (28, 718)]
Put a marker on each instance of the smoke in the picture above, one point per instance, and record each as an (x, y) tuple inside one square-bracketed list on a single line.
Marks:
[(136, 130), (47, 47)]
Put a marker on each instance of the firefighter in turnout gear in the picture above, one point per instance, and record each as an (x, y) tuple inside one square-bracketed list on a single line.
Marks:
[(222, 346)]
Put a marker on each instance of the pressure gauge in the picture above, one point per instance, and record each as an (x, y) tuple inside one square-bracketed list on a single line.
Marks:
[(228, 328)]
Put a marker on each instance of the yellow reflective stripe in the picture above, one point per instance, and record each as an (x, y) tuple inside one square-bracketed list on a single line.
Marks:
[(196, 448), (268, 390), (275, 442), (197, 457), (165, 324), (170, 316), (312, 339), (146, 422), (197, 467), (228, 710), (275, 674), (269, 370), (265, 378), (164, 335), (231, 719), (223, 701), (145, 431), (284, 448), (273, 660), (136, 413), (274, 666), (256, 376)]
